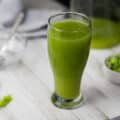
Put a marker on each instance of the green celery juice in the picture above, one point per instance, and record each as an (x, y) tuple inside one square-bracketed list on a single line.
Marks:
[(68, 48), (105, 33)]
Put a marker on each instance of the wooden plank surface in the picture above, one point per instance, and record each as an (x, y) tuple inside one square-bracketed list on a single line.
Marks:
[(31, 84)]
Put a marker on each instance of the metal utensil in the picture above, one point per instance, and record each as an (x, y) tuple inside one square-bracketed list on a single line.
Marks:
[(16, 24), (7, 48)]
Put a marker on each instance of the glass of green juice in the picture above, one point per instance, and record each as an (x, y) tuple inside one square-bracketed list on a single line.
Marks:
[(69, 38)]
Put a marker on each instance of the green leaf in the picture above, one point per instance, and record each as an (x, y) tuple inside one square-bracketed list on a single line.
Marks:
[(5, 100)]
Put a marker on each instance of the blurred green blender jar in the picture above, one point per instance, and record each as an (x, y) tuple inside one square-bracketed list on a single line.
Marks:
[(105, 16)]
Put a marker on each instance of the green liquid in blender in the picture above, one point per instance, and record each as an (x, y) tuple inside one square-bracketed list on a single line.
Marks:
[(105, 33), (68, 48)]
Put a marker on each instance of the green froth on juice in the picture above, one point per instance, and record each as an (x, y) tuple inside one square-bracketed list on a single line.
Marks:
[(68, 48), (105, 33)]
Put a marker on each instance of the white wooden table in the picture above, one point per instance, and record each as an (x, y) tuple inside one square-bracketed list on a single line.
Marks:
[(31, 84)]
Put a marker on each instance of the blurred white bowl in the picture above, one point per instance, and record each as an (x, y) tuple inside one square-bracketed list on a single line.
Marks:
[(111, 75)]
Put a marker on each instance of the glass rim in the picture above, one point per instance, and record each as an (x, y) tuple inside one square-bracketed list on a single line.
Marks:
[(71, 12)]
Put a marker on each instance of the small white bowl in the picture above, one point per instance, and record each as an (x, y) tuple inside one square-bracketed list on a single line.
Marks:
[(111, 75)]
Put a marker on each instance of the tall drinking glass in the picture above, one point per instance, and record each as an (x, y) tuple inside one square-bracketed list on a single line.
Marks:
[(69, 36)]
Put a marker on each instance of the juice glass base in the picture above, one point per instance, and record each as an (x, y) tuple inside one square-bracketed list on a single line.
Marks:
[(66, 103)]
